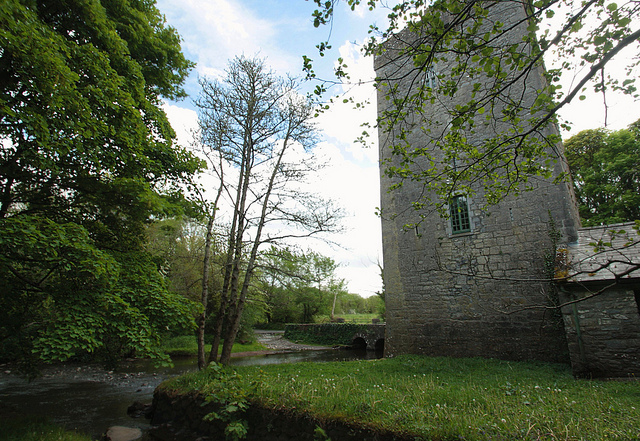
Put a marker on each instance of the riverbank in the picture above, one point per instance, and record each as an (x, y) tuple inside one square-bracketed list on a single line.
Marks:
[(89, 398), (267, 342), (419, 398)]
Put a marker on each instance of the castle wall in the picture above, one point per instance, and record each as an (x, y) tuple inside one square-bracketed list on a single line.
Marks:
[(478, 293)]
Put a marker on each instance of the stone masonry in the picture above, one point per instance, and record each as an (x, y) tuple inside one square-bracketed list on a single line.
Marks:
[(476, 293), (602, 302)]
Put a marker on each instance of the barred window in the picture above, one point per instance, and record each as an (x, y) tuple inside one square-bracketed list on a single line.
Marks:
[(430, 79), (459, 214)]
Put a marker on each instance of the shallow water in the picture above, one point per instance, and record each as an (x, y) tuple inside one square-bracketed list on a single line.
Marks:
[(90, 400)]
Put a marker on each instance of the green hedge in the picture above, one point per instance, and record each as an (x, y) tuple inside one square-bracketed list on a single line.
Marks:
[(270, 326), (324, 334)]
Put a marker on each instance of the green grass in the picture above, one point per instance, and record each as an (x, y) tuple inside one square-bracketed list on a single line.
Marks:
[(445, 398), (29, 429), (349, 318), (186, 345)]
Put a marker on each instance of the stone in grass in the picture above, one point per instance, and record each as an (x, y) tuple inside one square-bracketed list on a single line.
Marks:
[(121, 433)]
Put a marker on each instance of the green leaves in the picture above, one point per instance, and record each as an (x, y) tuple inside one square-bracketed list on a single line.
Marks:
[(87, 154), (64, 297), (88, 113), (487, 63), (604, 167)]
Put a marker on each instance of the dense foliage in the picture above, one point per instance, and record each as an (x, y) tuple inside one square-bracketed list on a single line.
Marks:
[(605, 167), (297, 285), (86, 161)]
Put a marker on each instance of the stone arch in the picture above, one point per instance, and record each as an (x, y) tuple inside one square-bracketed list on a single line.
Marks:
[(379, 345), (359, 342)]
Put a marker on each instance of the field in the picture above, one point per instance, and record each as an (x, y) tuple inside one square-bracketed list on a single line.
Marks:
[(350, 318)]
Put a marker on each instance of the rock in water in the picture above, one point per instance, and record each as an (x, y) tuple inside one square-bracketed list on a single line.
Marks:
[(120, 433), (138, 409)]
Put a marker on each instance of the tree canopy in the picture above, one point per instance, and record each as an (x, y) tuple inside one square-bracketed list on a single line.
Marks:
[(605, 167), (87, 158), (298, 285)]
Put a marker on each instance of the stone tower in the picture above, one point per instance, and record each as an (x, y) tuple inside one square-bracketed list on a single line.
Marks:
[(469, 285)]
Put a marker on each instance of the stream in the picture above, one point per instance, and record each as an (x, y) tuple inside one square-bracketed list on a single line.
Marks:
[(89, 399)]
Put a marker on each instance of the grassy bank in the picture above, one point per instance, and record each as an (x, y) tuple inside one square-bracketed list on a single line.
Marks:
[(443, 398), (187, 345), (30, 429)]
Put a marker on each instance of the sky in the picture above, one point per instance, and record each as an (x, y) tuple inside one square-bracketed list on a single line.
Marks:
[(281, 32)]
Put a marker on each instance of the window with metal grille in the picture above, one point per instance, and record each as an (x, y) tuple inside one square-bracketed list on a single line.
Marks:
[(430, 78), (459, 214)]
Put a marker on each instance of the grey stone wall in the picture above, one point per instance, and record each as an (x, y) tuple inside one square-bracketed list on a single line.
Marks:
[(474, 294), (604, 331), (602, 296)]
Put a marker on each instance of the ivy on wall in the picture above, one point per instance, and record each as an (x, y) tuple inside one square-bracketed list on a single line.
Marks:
[(324, 334)]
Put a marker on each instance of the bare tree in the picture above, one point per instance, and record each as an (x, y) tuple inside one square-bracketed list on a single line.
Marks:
[(261, 129)]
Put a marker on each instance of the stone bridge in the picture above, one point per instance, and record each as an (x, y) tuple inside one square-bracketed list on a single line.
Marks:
[(370, 336)]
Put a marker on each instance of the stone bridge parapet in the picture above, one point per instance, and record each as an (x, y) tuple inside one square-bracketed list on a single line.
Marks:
[(370, 336)]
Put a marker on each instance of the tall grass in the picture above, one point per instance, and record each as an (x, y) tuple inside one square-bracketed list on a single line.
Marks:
[(446, 399), (30, 429)]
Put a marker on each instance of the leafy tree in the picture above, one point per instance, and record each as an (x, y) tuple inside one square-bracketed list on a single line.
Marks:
[(298, 285), (605, 167), (465, 36), (84, 139), (282, 272), (86, 161), (63, 297), (259, 127)]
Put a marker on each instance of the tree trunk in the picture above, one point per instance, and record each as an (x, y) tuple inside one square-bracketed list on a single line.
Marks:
[(232, 261), (234, 322), (333, 308), (205, 292), (222, 312)]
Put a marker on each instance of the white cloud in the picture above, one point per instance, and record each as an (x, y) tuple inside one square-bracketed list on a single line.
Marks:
[(354, 185), (215, 31), (343, 122), (183, 121)]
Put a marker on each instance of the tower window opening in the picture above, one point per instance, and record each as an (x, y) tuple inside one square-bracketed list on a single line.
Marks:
[(459, 215), (430, 78)]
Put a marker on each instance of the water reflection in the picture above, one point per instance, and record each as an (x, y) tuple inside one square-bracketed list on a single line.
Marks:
[(90, 400), (305, 356)]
